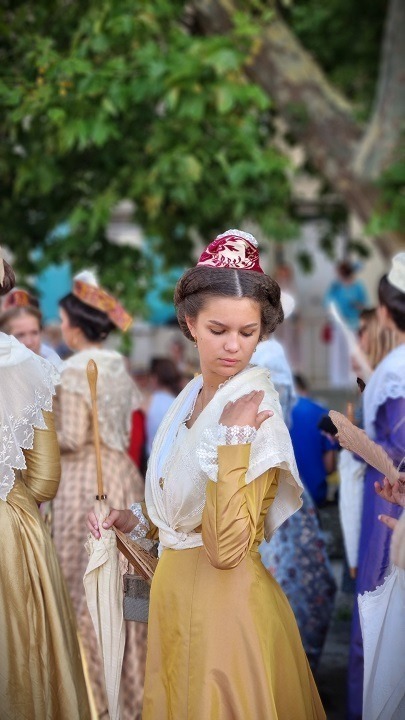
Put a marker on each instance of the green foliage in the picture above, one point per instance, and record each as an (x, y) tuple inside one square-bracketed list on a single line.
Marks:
[(305, 261), (358, 247), (390, 216), (115, 99), (345, 38)]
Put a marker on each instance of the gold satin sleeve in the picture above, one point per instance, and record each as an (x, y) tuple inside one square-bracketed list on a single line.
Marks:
[(43, 462), (234, 511)]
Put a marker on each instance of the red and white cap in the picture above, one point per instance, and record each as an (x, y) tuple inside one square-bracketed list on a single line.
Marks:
[(238, 250), (232, 249)]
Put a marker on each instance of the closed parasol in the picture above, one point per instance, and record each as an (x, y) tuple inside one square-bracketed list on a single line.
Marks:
[(103, 579)]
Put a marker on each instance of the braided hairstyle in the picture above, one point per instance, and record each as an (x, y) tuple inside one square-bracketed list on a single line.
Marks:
[(94, 324), (202, 283)]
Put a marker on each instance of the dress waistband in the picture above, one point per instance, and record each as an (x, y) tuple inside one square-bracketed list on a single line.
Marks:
[(178, 540)]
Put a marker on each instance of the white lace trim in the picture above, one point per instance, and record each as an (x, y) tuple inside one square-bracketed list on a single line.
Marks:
[(26, 390), (142, 528), (241, 234), (386, 382), (175, 489), (207, 450), (117, 394)]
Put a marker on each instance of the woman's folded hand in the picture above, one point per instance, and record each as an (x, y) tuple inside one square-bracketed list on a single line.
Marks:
[(123, 520)]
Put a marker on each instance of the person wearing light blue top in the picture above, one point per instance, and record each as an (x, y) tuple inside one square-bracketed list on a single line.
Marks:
[(166, 381), (348, 294), (349, 297)]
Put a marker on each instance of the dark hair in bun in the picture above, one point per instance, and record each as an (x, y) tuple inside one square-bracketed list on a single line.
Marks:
[(201, 283), (8, 280), (394, 300), (94, 324)]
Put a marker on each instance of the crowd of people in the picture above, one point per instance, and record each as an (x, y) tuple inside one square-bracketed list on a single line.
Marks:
[(227, 471)]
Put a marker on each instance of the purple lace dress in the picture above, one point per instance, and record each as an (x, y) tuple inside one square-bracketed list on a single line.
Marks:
[(375, 538)]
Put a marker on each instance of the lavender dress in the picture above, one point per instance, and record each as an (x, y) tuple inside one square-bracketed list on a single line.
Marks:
[(375, 538)]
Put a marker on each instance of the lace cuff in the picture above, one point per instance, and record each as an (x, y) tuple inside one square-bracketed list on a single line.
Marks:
[(207, 450), (142, 528), (235, 435)]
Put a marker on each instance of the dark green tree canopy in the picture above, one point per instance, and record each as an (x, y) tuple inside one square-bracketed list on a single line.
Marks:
[(116, 99)]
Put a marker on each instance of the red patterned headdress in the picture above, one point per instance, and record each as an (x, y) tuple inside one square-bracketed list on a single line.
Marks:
[(239, 250), (18, 298), (232, 249), (86, 290)]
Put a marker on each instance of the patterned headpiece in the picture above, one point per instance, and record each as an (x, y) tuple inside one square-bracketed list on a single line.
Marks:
[(239, 250), (18, 298), (232, 249), (86, 289)]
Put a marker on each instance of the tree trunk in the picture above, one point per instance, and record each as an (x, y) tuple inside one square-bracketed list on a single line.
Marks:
[(319, 116), (383, 135)]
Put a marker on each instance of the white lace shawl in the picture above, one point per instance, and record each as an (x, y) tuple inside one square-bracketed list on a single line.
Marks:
[(27, 384), (117, 394), (387, 381), (183, 460)]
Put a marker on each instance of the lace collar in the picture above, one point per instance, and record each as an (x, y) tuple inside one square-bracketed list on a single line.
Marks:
[(117, 394), (199, 386), (186, 480), (27, 386)]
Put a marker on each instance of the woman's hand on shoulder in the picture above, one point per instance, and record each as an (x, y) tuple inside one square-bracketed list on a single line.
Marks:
[(123, 520), (245, 411)]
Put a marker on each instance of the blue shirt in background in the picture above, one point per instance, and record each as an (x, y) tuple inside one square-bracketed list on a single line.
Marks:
[(310, 445), (350, 299)]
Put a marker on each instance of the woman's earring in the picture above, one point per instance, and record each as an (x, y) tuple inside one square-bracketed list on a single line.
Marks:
[(195, 342)]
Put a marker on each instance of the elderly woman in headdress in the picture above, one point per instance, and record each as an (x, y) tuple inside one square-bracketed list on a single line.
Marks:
[(88, 315), (41, 674), (222, 640)]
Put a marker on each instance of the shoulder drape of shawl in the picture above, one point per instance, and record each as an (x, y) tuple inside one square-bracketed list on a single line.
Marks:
[(27, 385), (387, 381), (271, 448), (117, 394)]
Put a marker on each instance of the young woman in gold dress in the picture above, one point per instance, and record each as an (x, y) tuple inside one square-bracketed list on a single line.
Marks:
[(41, 673), (223, 643)]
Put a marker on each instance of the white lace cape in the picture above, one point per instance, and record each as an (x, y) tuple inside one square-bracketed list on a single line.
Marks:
[(27, 384), (387, 381), (117, 394), (187, 458)]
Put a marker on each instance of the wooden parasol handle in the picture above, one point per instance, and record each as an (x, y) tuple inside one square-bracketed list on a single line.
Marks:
[(92, 374)]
